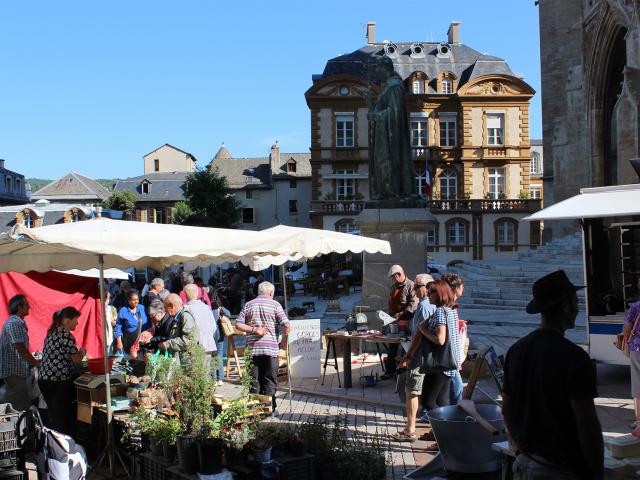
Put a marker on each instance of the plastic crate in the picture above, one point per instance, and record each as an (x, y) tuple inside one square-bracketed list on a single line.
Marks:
[(296, 468), (11, 475), (8, 419), (154, 468)]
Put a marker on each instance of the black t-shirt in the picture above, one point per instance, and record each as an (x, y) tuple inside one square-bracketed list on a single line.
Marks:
[(543, 372)]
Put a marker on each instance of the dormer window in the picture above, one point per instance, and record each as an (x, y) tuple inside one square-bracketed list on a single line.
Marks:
[(447, 85), (419, 83), (28, 221), (73, 215), (28, 218), (145, 187), (291, 166)]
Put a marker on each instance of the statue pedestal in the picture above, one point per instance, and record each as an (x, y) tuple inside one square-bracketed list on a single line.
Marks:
[(405, 229)]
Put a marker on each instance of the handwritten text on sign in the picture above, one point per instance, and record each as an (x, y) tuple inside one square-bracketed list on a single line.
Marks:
[(304, 348)]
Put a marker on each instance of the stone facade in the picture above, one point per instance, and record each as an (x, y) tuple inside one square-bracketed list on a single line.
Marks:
[(13, 188), (273, 190), (469, 119), (168, 158), (590, 67)]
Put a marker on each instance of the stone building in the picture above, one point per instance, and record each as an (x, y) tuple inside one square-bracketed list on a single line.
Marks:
[(73, 188), (273, 190), (13, 188), (167, 159), (469, 121), (590, 68), (536, 187), (156, 193)]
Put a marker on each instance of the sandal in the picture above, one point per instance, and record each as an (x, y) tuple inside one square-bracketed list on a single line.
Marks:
[(428, 436), (403, 436)]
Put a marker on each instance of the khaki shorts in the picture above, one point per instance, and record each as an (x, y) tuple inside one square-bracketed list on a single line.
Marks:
[(413, 382)]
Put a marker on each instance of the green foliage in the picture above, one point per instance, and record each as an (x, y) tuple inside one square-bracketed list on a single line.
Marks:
[(227, 419), (165, 429), (194, 388), (524, 195), (159, 369), (123, 200), (37, 183), (238, 438), (140, 420), (181, 213), (209, 197), (107, 183), (247, 372)]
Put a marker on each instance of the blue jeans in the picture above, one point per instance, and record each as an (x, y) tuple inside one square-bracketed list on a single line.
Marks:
[(222, 347), (455, 394)]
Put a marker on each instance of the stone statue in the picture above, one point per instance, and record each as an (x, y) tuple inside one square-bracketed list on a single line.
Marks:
[(391, 173)]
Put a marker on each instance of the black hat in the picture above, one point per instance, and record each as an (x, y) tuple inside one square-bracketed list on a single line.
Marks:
[(550, 290)]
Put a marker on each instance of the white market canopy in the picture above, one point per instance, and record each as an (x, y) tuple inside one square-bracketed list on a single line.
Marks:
[(317, 242), (95, 273), (619, 200), (133, 244)]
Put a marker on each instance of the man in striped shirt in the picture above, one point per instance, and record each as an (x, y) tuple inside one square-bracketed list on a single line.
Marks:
[(258, 319)]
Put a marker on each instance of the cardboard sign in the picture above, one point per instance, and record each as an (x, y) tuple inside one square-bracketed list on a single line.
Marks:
[(304, 347)]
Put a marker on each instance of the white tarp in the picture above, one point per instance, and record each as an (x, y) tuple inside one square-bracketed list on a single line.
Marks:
[(133, 244), (616, 201), (317, 242), (95, 273)]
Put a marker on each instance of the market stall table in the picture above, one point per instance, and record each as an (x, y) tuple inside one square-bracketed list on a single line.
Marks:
[(332, 338)]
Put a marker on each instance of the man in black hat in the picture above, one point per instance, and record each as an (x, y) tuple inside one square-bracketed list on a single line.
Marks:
[(549, 387)]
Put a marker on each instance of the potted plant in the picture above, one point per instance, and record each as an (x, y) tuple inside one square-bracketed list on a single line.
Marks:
[(167, 430), (261, 448), (235, 442), (140, 423), (193, 387)]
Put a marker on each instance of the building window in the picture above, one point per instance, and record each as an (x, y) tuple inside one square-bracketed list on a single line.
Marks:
[(291, 166), (536, 164), (447, 130), (447, 85), (160, 215), (18, 189), (8, 184), (419, 132), (293, 207), (293, 184), (247, 215), (495, 129), (457, 233), (496, 183), (536, 192), (344, 130), (345, 187), (28, 220), (248, 194), (431, 233), (506, 234), (422, 183), (156, 165), (448, 185), (346, 226), (145, 187)]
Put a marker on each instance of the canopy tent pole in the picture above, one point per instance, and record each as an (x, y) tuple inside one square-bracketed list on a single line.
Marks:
[(286, 309), (110, 449)]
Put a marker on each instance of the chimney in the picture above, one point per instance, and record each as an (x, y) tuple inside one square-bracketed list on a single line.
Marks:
[(1, 163), (274, 158), (371, 32), (454, 32)]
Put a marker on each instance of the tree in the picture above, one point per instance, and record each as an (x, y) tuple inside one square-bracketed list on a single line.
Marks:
[(211, 201), (181, 213), (122, 200)]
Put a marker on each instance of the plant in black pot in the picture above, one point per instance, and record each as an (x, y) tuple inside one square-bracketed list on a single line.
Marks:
[(193, 389), (261, 448), (167, 431), (140, 424), (235, 442)]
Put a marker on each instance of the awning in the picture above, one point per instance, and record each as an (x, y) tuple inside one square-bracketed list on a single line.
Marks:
[(616, 201)]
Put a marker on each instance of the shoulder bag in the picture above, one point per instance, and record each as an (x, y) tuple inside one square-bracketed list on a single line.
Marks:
[(440, 358)]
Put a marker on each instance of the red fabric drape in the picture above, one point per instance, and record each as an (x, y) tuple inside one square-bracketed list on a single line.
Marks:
[(51, 291)]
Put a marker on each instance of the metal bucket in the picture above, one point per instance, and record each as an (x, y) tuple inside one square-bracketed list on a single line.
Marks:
[(464, 445)]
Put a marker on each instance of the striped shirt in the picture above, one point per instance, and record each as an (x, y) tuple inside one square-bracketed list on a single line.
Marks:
[(449, 317), (265, 312)]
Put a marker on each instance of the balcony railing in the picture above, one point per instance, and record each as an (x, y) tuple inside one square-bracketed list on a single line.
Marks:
[(472, 205), (346, 207)]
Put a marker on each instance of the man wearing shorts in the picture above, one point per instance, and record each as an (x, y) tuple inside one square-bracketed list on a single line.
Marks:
[(413, 360)]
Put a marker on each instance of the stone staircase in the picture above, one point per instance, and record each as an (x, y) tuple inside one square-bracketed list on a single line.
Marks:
[(506, 284)]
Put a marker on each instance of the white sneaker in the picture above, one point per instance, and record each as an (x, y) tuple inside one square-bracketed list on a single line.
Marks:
[(219, 383)]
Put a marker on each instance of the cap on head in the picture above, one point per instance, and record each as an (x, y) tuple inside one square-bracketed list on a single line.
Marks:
[(395, 269), (551, 290)]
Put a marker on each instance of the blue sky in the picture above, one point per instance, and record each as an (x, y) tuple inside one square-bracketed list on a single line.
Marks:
[(93, 86)]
